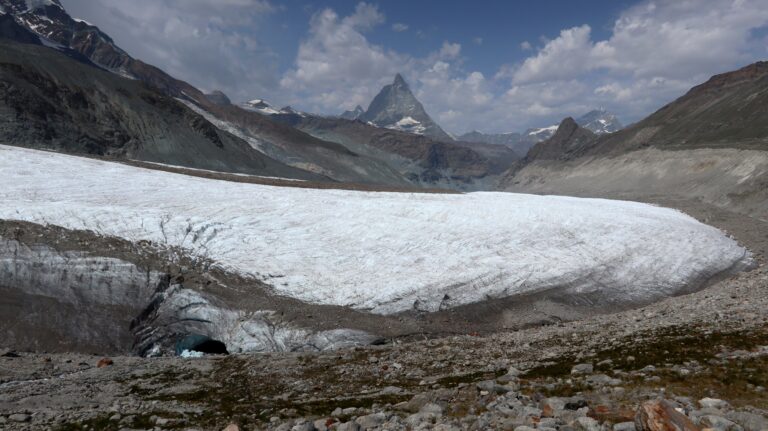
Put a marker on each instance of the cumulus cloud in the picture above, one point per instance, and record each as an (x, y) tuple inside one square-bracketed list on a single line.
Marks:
[(662, 38), (653, 53), (656, 51), (336, 66), (208, 43)]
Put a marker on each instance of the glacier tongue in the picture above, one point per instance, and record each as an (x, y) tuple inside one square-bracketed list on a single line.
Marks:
[(383, 252)]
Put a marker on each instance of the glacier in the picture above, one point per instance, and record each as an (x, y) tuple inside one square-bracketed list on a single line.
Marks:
[(377, 251)]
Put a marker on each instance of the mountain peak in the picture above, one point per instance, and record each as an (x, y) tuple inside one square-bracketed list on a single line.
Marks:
[(218, 97), (567, 126), (600, 121), (395, 107), (353, 114), (400, 81)]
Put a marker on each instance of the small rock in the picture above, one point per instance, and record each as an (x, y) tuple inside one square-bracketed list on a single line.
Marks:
[(416, 419), (371, 421), (322, 424), (624, 426), (718, 423), (492, 387), (587, 424), (232, 427), (19, 417), (661, 415), (550, 406), (306, 426), (750, 421), (582, 369), (603, 380), (525, 428), (104, 362), (432, 408), (713, 403), (348, 426)]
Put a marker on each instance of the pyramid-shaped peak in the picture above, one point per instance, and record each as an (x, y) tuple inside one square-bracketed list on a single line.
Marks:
[(400, 81), (568, 124)]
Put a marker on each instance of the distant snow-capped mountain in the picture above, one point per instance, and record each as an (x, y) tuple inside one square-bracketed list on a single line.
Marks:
[(265, 108), (395, 107), (353, 114), (600, 121)]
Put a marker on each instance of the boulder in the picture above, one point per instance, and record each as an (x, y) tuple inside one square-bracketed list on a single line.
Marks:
[(582, 369), (660, 415), (719, 423), (371, 421), (713, 403), (750, 421)]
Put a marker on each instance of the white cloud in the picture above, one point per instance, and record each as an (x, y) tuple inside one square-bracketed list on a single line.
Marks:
[(663, 38), (560, 58), (399, 27), (450, 50), (209, 43), (653, 53), (656, 51), (336, 66)]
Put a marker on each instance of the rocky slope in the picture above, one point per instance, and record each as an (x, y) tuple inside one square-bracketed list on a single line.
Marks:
[(52, 102), (269, 139), (420, 159), (710, 144), (49, 20), (395, 107)]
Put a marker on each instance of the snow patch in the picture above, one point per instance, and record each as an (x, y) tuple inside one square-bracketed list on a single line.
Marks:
[(382, 252), (546, 130), (408, 124), (261, 106), (226, 126)]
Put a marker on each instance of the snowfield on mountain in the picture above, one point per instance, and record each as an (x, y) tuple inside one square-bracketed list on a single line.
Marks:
[(383, 252)]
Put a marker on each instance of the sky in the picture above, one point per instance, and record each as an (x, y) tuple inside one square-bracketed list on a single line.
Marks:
[(495, 66)]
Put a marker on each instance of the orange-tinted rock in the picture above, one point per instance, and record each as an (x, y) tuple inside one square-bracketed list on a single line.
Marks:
[(661, 415), (104, 362)]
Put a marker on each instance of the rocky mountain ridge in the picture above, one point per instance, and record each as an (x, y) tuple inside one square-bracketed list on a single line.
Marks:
[(395, 107)]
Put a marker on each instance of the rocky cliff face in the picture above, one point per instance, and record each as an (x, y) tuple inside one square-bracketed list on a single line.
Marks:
[(48, 19), (69, 301), (48, 100)]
